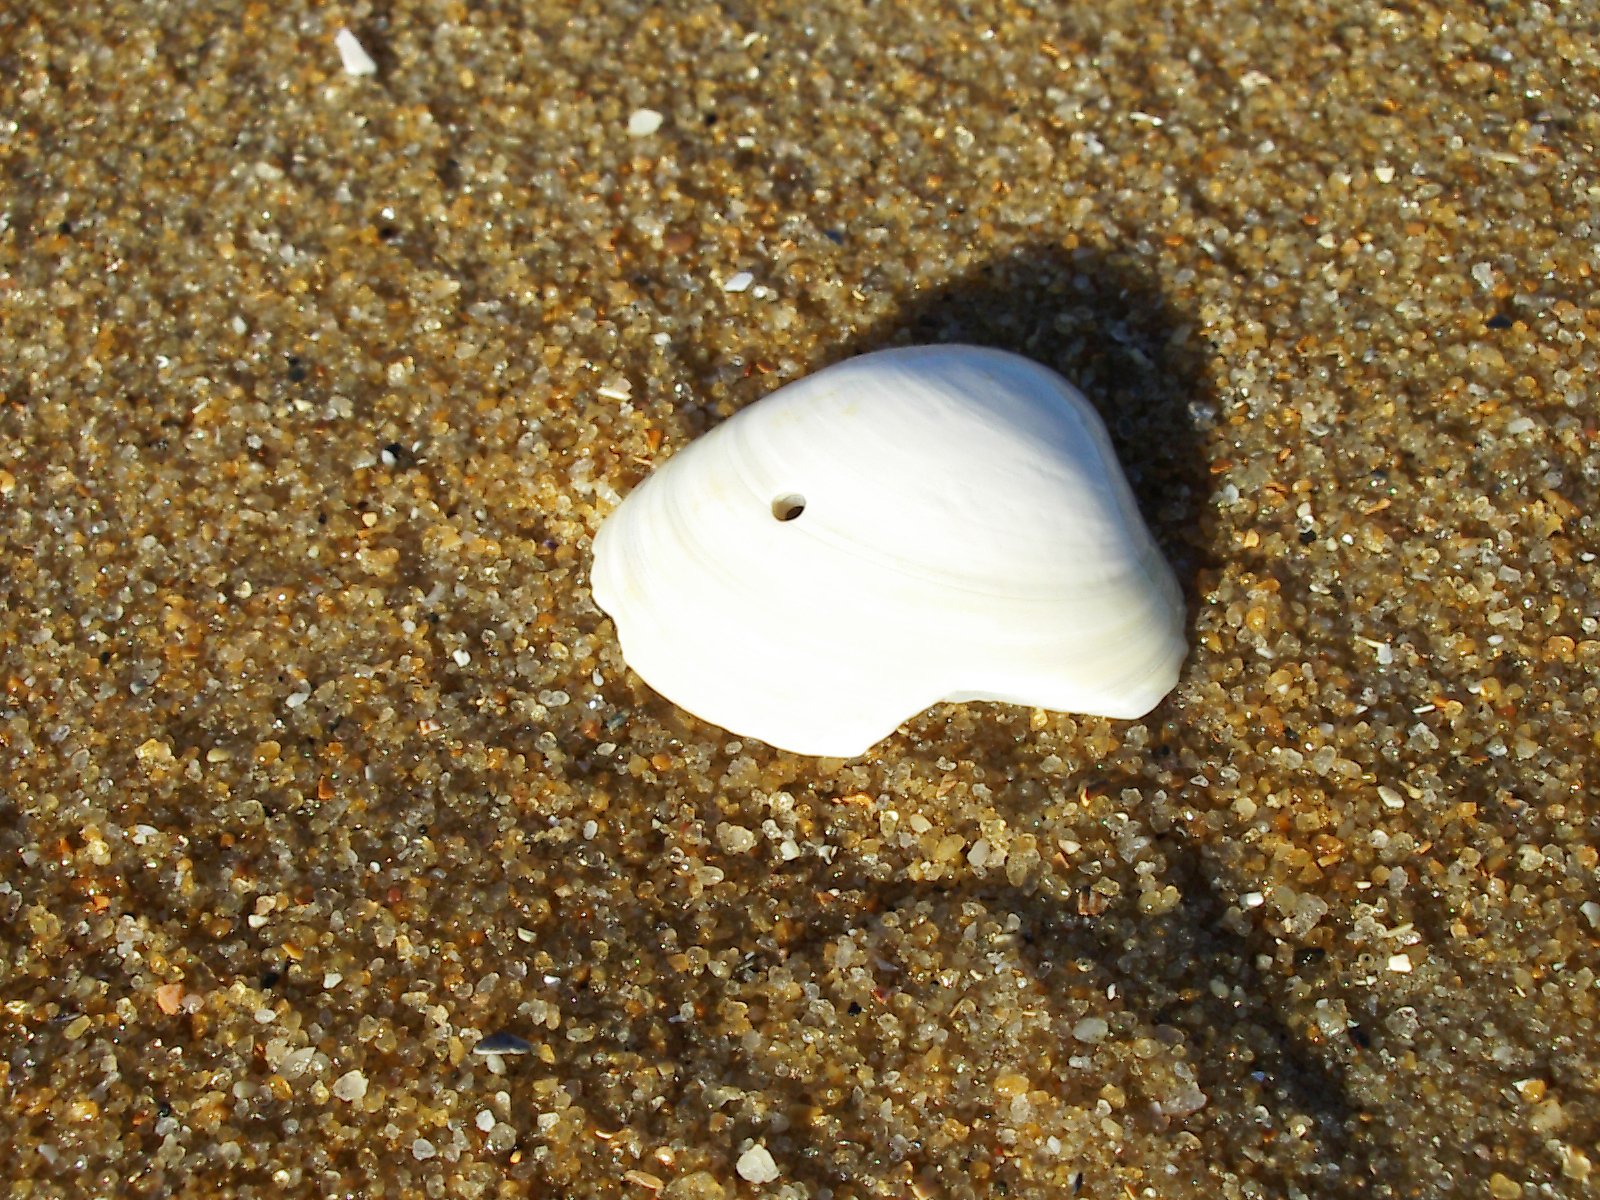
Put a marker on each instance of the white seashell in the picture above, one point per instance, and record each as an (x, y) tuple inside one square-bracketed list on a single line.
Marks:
[(914, 525)]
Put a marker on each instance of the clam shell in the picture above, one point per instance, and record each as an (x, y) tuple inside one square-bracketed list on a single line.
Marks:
[(910, 526)]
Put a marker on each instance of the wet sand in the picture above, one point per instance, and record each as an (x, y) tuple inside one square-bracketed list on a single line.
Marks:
[(318, 764)]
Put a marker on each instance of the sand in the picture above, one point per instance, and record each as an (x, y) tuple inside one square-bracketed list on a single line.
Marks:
[(318, 764)]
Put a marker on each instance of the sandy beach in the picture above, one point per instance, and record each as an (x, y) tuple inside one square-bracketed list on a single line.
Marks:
[(319, 766)]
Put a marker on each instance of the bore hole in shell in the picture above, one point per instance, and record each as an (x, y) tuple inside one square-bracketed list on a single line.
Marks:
[(787, 508)]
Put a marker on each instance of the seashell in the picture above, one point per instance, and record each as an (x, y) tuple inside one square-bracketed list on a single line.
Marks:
[(910, 526)]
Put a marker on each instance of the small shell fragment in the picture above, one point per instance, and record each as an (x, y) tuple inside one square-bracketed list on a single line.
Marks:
[(644, 122), (502, 1043), (353, 54), (756, 1165)]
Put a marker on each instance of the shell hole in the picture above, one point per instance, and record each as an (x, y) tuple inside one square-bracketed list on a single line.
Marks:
[(787, 508)]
